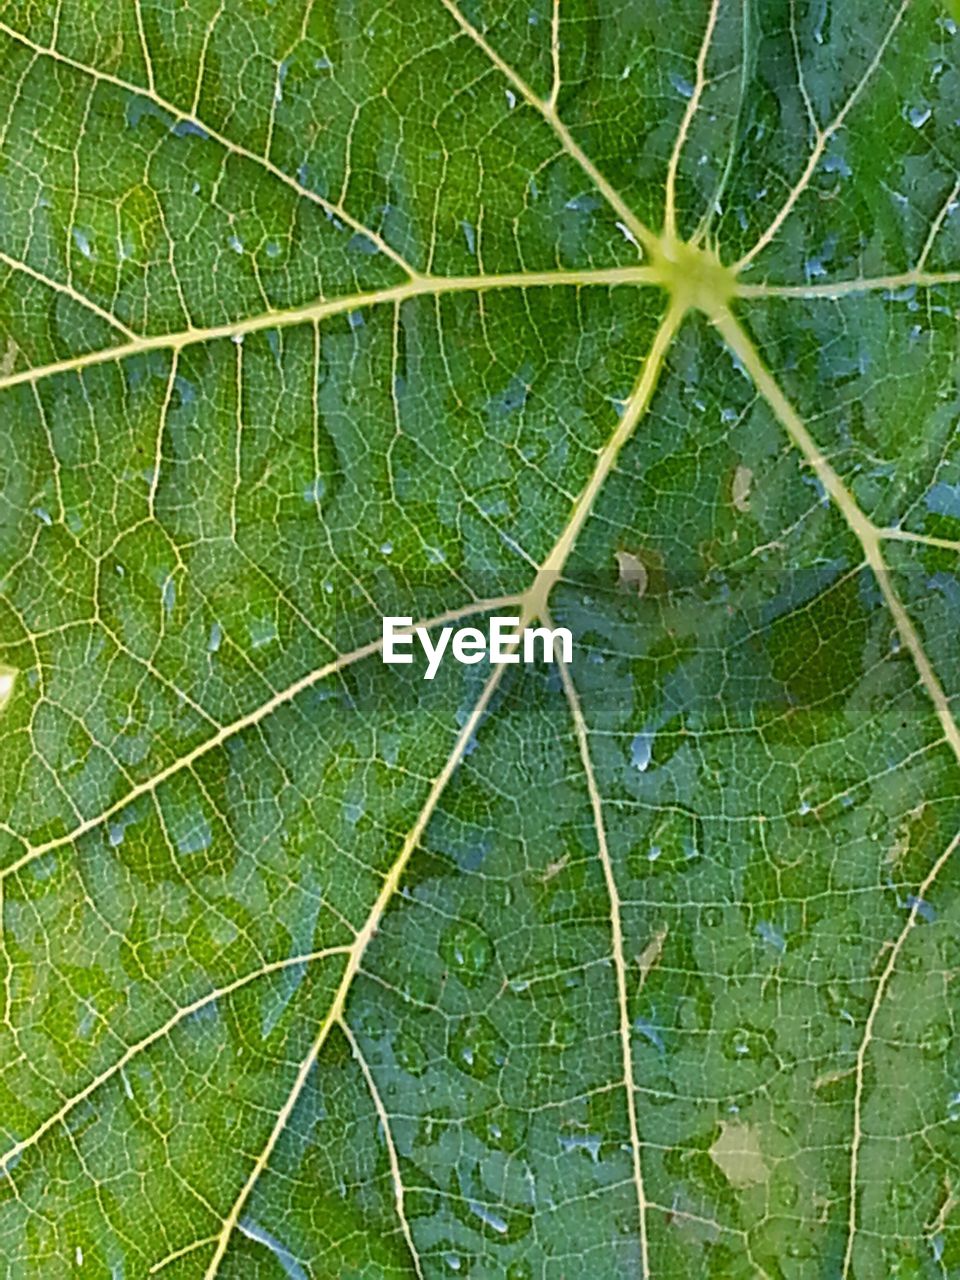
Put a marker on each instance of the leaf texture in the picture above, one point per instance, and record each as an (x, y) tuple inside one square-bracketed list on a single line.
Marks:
[(638, 318)]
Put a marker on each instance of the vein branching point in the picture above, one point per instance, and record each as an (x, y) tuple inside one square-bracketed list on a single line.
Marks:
[(695, 277)]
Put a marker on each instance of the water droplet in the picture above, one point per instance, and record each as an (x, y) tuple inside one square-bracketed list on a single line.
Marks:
[(262, 631), (410, 1053), (936, 1040), (784, 1191), (627, 234), (923, 909), (682, 85), (641, 751), (488, 1217), (478, 1048), (519, 1270), (650, 1032), (743, 1044), (588, 1142), (362, 244), (467, 951), (315, 490), (196, 838), (772, 936)]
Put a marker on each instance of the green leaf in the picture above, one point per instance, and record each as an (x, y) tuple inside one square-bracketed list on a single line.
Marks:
[(639, 319)]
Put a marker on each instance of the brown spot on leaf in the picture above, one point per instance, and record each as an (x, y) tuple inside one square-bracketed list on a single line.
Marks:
[(8, 360), (737, 1155), (631, 572), (740, 490)]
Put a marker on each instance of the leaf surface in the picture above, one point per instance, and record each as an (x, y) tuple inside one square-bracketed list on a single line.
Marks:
[(638, 319)]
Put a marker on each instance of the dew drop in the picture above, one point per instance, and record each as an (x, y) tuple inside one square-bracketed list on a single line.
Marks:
[(641, 751), (682, 85), (8, 677), (467, 951)]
